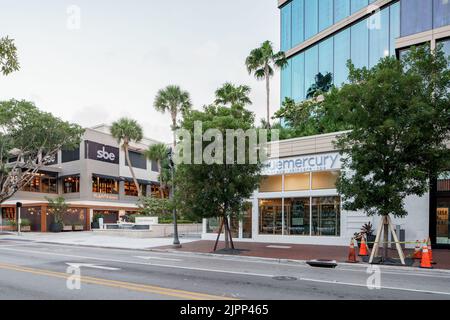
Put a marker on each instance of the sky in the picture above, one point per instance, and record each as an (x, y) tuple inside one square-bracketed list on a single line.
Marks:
[(94, 61)]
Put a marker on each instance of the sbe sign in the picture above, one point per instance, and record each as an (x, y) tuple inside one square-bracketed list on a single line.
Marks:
[(101, 152)]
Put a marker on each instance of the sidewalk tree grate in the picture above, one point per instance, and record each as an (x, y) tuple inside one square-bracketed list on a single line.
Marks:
[(284, 278)]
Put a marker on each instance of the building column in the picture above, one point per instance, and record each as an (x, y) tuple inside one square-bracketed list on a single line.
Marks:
[(43, 218)]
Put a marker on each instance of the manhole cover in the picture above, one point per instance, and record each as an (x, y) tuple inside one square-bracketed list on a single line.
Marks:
[(284, 278)]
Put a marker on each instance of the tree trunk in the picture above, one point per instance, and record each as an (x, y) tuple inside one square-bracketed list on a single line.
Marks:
[(218, 235), (174, 125), (227, 233), (385, 238), (161, 191), (268, 97), (127, 155)]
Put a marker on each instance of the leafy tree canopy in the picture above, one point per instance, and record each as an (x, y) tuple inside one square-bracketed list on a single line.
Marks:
[(8, 56)]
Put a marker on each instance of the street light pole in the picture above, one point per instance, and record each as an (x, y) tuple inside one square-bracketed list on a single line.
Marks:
[(18, 209), (176, 240)]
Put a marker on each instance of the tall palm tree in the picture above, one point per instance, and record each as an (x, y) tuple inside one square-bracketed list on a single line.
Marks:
[(158, 152), (175, 101), (231, 94), (126, 130), (261, 62)]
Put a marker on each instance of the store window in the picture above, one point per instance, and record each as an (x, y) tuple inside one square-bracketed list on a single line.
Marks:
[(71, 184), (131, 190), (158, 192), (247, 222), (324, 180), (105, 185), (271, 184), (443, 220), (326, 216), (297, 182), (270, 216), (297, 213), (43, 183)]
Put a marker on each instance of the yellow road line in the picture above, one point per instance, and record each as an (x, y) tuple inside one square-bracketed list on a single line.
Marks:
[(119, 284)]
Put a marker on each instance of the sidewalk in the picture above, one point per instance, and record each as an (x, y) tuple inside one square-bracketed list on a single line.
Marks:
[(300, 252)]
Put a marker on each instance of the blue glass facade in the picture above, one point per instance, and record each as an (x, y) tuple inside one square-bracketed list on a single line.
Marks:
[(423, 15), (364, 42)]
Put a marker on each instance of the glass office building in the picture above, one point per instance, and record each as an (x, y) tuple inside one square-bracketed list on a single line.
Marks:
[(320, 36)]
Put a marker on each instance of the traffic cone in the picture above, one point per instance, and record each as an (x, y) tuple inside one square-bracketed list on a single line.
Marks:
[(363, 251), (352, 253), (430, 251), (426, 262), (417, 251)]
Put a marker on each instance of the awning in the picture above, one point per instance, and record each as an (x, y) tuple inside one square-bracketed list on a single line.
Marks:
[(140, 181), (70, 175), (102, 176)]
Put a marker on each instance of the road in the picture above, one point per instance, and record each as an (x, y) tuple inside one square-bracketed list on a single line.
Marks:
[(30, 270)]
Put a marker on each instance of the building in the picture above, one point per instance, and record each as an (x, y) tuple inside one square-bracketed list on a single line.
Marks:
[(94, 179), (298, 201)]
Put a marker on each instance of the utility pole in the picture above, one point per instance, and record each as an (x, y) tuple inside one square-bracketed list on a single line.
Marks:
[(19, 221), (176, 240)]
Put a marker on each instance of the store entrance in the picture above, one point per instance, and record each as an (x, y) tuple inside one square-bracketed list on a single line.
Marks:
[(443, 221)]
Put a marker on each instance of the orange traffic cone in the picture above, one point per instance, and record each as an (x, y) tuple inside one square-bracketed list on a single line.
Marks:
[(352, 253), (430, 251), (417, 251), (363, 251), (426, 262)]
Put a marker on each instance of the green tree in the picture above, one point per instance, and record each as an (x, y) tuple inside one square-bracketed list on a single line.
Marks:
[(8, 56), (29, 140), (125, 131), (58, 207), (174, 101), (322, 84), (219, 189), (261, 62), (155, 207), (399, 112), (158, 152), (229, 94)]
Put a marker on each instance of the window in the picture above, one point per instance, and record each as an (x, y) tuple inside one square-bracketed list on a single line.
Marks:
[(271, 184), (379, 36), (131, 190), (298, 29), (341, 9), (441, 10), (71, 184), (394, 23), (298, 77), (286, 27), (70, 155), (311, 18), (360, 44), (358, 5), (325, 14), (43, 183), (156, 192), (324, 180), (446, 47), (311, 67), (326, 53), (326, 216), (155, 167), (297, 182), (416, 16), (105, 185), (286, 84), (341, 56), (137, 160), (297, 213), (270, 217)]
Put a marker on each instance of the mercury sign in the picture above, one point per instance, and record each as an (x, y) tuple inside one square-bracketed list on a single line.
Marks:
[(310, 163)]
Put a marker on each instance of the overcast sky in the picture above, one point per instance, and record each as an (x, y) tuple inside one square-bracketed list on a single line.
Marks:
[(124, 51)]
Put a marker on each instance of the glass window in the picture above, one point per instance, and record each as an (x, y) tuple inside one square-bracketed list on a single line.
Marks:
[(441, 16), (360, 44), (271, 184), (43, 183), (286, 27), (71, 184), (137, 160), (443, 220), (286, 84), (270, 216), (104, 185), (247, 222), (155, 167), (311, 66), (326, 216), (70, 155), (158, 192), (341, 9), (297, 212), (446, 47), (358, 5), (298, 27), (416, 16), (341, 56), (297, 182), (131, 190), (311, 18), (325, 14), (324, 180), (213, 225), (298, 77), (394, 26), (379, 36), (326, 50)]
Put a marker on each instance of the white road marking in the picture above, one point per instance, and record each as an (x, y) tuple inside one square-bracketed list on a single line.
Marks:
[(157, 258), (228, 272), (92, 266)]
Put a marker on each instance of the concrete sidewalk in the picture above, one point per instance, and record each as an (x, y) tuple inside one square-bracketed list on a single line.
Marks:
[(92, 239), (300, 252)]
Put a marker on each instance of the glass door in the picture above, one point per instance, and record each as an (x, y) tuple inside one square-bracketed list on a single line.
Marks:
[(442, 221)]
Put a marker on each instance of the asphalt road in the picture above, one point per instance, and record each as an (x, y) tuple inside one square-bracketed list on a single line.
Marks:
[(30, 270)]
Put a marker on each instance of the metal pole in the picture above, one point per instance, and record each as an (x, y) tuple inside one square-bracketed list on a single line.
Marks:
[(19, 209), (176, 240)]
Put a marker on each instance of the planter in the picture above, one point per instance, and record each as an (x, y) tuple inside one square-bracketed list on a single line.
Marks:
[(56, 227), (78, 227), (371, 240), (67, 228), (95, 225), (25, 228)]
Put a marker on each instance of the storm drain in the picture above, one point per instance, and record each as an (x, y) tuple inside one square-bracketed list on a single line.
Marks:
[(284, 278)]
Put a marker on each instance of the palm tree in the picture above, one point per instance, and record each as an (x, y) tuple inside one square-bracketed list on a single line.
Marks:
[(126, 130), (261, 62), (158, 152), (231, 94), (173, 100)]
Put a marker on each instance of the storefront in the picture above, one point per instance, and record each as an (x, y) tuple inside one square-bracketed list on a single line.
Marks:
[(439, 211)]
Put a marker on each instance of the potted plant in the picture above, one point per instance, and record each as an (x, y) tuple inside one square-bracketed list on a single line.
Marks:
[(95, 224), (58, 207), (25, 225)]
